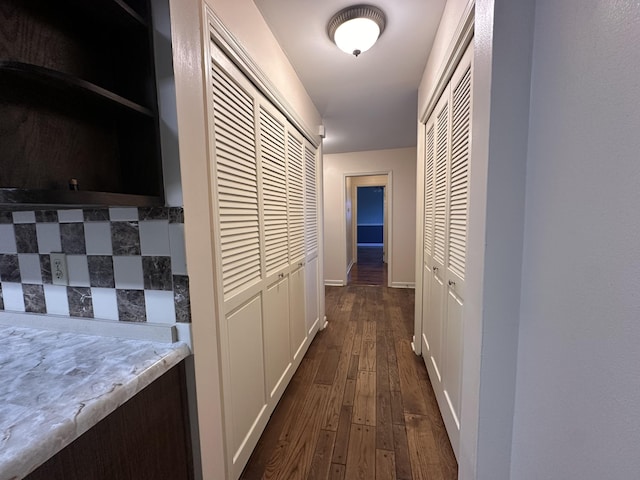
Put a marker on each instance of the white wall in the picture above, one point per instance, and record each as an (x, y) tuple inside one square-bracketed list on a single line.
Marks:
[(245, 21), (577, 412), (402, 163), (451, 16)]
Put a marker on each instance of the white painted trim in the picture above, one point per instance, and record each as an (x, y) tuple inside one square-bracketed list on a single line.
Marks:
[(419, 247), (314, 327), (153, 332), (389, 198), (462, 38), (334, 283), (403, 285), (230, 45)]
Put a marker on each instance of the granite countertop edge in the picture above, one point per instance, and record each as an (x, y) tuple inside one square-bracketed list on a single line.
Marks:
[(63, 420)]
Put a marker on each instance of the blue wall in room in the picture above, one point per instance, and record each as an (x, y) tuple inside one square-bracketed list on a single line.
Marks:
[(370, 214)]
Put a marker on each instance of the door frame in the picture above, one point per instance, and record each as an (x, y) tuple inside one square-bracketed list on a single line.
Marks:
[(351, 182), (354, 213)]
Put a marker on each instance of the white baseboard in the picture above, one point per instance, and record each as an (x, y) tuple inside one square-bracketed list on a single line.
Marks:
[(350, 266), (333, 283), (403, 284)]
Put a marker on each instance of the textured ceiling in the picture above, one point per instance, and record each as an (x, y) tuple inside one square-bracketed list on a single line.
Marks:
[(369, 102)]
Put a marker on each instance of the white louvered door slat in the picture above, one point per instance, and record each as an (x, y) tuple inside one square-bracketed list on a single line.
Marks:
[(440, 183), (295, 191), (274, 191), (461, 122), (311, 201), (236, 184), (429, 193)]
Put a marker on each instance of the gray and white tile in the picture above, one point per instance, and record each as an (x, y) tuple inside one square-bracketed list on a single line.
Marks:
[(131, 305), (181, 298), (34, 300), (48, 237), (78, 268), (127, 272), (30, 271), (125, 238), (157, 273), (56, 299), (98, 238), (80, 303), (9, 268), (72, 238), (26, 238), (101, 271)]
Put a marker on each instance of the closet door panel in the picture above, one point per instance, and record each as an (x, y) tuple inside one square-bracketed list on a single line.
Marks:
[(312, 283), (310, 201), (440, 182), (246, 369), (276, 336), (297, 324), (428, 328), (457, 232), (273, 164), (295, 195), (236, 179)]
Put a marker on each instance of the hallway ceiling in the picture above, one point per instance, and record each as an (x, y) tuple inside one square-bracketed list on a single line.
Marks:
[(369, 102)]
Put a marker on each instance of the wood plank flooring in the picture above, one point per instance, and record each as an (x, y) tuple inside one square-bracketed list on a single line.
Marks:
[(360, 405), (370, 269)]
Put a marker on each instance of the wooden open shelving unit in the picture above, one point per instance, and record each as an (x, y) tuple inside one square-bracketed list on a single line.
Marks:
[(78, 100)]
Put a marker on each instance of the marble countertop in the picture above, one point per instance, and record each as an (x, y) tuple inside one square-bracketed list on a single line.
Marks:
[(54, 386)]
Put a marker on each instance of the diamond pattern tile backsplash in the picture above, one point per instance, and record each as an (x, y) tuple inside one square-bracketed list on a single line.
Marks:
[(125, 264)]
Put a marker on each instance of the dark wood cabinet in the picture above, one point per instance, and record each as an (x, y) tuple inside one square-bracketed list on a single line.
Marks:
[(78, 100), (147, 438)]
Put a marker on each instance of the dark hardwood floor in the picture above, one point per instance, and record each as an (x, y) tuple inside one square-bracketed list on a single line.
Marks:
[(360, 405), (370, 268)]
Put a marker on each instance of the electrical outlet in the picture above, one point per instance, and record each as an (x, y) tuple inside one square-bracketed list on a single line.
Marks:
[(59, 273)]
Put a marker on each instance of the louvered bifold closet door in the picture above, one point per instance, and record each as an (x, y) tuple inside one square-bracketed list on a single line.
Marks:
[(274, 191), (311, 201), (428, 329), (238, 230), (236, 184), (434, 323), (458, 195), (295, 190), (459, 183)]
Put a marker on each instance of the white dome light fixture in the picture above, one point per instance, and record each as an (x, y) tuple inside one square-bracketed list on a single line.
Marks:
[(355, 29)]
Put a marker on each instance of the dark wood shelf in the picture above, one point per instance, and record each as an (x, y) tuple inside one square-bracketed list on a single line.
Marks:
[(78, 100), (125, 9), (28, 199), (68, 82), (111, 11)]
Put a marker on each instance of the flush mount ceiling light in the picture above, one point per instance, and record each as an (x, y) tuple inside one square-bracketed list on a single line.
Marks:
[(355, 29)]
